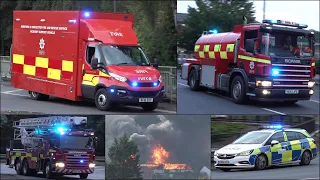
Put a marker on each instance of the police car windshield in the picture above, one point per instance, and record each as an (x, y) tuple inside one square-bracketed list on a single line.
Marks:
[(255, 137), (73, 142), (124, 55), (285, 45)]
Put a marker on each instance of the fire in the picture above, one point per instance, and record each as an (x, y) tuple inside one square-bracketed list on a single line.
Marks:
[(159, 155), (169, 166)]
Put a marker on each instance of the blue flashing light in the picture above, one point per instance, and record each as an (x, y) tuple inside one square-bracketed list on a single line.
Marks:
[(135, 84), (81, 161), (213, 31), (275, 72), (155, 84), (112, 90), (86, 14), (274, 126), (61, 130), (274, 21)]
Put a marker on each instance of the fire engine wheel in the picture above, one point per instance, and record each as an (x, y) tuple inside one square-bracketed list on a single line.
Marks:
[(38, 96), (101, 100), (18, 167), (83, 176), (238, 93), (25, 168), (47, 170), (193, 80), (149, 106)]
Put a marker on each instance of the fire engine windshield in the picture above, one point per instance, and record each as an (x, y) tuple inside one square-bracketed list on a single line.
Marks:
[(73, 142), (285, 45), (124, 56), (254, 137)]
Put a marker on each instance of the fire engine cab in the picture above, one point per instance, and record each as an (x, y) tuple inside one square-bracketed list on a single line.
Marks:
[(268, 61), (52, 145), (79, 55)]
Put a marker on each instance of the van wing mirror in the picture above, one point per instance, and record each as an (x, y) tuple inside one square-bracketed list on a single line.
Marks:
[(95, 142), (155, 65), (94, 63), (274, 142), (250, 46)]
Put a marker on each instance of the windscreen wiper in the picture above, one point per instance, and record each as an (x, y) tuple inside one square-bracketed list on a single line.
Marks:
[(122, 63)]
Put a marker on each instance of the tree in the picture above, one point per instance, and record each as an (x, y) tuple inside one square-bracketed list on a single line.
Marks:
[(221, 15), (124, 160)]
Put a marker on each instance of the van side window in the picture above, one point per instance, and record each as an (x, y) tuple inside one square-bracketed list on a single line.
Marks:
[(90, 54)]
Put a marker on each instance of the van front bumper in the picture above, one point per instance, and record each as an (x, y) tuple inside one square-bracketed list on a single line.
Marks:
[(122, 95)]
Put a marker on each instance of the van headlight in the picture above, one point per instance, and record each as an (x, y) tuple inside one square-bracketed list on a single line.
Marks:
[(92, 165), (264, 83), (117, 77), (60, 164), (244, 153), (311, 84)]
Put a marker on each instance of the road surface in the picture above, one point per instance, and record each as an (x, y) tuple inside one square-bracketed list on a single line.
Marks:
[(308, 172), (211, 102), (19, 100), (10, 173)]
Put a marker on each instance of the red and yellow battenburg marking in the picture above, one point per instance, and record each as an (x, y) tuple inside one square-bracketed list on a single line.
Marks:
[(42, 67)]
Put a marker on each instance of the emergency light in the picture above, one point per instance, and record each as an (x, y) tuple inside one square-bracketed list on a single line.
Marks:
[(274, 126), (155, 84), (213, 31), (285, 23), (86, 14), (275, 72), (112, 90), (134, 84)]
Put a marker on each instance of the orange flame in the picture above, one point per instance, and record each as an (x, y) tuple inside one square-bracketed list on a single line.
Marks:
[(169, 166), (159, 155)]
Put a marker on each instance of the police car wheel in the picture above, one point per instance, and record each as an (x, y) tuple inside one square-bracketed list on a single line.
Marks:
[(261, 162), (306, 158), (83, 176), (25, 168), (225, 169), (101, 100), (149, 106), (238, 93), (38, 96), (193, 80), (18, 167)]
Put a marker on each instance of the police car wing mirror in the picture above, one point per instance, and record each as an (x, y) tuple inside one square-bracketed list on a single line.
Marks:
[(94, 63), (250, 46), (274, 142)]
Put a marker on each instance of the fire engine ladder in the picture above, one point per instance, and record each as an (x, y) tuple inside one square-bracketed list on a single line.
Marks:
[(27, 130)]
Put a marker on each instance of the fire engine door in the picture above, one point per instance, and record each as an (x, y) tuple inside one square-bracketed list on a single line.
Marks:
[(89, 76)]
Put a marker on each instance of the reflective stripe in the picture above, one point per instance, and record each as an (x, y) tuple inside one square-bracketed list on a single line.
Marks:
[(313, 64), (206, 48), (54, 73), (34, 158), (230, 47), (67, 65), (254, 59), (52, 150), (211, 55), (18, 59), (223, 55), (201, 54), (196, 48), (217, 48), (42, 62)]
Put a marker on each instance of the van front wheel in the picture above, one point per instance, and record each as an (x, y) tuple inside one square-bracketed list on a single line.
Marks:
[(101, 100)]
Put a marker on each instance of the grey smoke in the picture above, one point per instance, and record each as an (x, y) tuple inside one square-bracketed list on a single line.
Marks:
[(186, 138)]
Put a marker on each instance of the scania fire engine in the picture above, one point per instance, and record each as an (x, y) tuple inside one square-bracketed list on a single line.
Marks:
[(268, 61), (79, 55), (53, 145)]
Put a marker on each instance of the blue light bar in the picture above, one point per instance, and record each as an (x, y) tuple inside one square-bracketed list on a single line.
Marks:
[(213, 31), (81, 161), (285, 23), (274, 126), (135, 84), (86, 14), (61, 130)]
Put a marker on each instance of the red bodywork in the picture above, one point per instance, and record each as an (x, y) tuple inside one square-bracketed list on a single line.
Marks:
[(56, 69)]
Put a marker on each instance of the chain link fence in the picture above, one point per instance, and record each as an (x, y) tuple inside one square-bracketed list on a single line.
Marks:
[(168, 73)]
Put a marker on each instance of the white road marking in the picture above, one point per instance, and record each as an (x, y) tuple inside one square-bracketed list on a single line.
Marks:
[(273, 111), (12, 91), (183, 84), (311, 178), (14, 94), (312, 100)]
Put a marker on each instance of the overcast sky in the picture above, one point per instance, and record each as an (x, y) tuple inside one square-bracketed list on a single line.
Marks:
[(304, 12)]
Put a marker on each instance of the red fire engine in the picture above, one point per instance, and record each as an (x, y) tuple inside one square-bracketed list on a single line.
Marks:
[(268, 61), (53, 145), (83, 55)]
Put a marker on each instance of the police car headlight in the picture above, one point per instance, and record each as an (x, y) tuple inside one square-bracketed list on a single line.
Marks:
[(117, 77), (245, 153), (60, 164), (264, 83), (311, 84)]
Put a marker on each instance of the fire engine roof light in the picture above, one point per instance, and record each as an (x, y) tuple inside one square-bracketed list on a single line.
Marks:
[(86, 14), (285, 23), (213, 31)]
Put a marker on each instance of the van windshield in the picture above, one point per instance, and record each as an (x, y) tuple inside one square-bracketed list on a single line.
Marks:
[(124, 55)]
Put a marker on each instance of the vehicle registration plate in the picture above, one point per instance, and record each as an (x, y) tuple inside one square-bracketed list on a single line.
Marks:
[(145, 99), (76, 171), (292, 91), (223, 162)]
